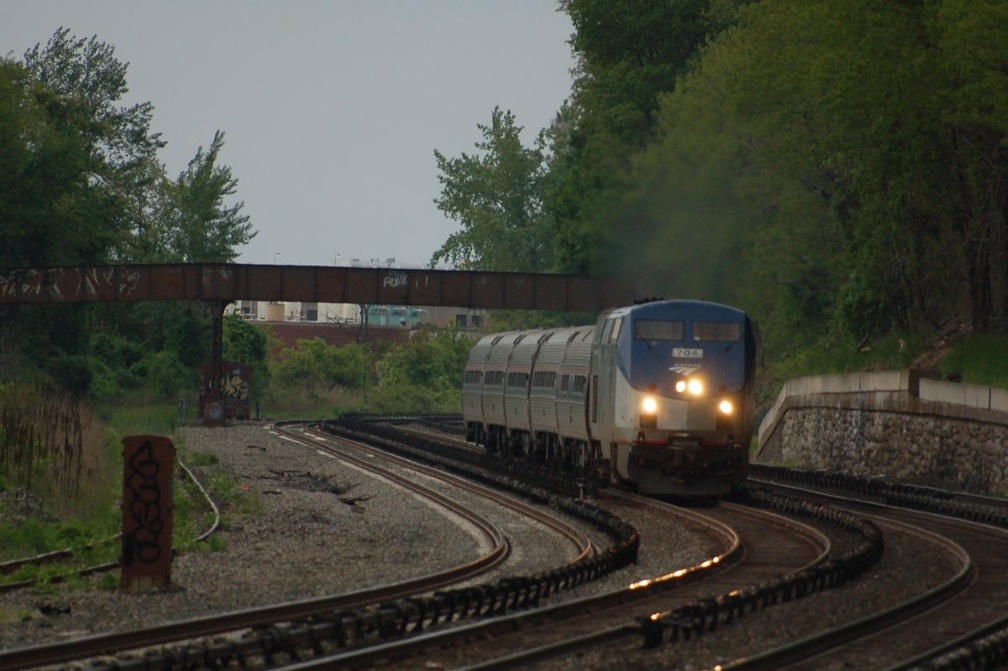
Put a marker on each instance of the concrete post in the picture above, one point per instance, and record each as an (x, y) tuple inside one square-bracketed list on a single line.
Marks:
[(147, 507)]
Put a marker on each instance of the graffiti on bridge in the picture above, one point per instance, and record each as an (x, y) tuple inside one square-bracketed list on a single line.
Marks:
[(67, 283)]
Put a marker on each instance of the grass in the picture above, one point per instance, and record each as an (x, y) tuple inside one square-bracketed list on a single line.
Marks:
[(979, 359), (301, 403), (94, 514), (140, 419)]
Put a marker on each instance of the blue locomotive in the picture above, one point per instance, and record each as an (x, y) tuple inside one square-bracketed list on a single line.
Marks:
[(657, 396)]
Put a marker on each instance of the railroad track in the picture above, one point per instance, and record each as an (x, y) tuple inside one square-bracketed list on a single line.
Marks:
[(756, 545), (283, 625), (583, 548), (677, 620), (937, 628)]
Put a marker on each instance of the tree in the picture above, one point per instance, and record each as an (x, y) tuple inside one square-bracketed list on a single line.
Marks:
[(51, 213), (629, 53), (497, 198), (434, 359), (971, 64), (247, 343), (197, 225), (867, 143), (315, 365), (82, 83)]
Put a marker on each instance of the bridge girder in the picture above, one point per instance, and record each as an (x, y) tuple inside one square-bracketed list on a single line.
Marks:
[(313, 284)]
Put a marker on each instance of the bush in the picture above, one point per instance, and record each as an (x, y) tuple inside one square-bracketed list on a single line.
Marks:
[(164, 374), (71, 374)]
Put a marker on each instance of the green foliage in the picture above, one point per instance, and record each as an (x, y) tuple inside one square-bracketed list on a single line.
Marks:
[(165, 375), (151, 348), (979, 359), (214, 543), (315, 365), (71, 373), (108, 582), (247, 343), (35, 536), (629, 54), (199, 459), (523, 320), (287, 402), (410, 398), (810, 106), (497, 198), (196, 223), (433, 360), (81, 184), (127, 419)]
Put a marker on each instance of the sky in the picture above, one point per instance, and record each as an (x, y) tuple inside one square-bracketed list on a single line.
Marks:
[(331, 111)]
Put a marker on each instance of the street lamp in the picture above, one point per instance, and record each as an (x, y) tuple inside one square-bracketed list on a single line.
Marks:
[(276, 258)]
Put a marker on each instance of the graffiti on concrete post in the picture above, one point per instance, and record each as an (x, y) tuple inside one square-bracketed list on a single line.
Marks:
[(146, 556)]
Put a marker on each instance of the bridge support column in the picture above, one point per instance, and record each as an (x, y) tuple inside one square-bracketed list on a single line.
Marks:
[(215, 413)]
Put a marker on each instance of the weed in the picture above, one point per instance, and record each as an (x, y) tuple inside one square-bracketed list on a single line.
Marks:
[(108, 582)]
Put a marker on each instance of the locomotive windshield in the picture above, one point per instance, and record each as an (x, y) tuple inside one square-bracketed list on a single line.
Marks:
[(717, 331), (653, 329)]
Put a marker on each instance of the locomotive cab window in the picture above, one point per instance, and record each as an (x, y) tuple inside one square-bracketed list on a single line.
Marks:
[(611, 330), (653, 329), (617, 324), (717, 331)]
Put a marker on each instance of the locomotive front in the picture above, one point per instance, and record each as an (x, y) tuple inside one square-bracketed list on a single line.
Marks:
[(675, 395)]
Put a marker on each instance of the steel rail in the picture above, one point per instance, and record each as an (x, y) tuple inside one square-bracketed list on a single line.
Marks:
[(106, 644), (824, 641), (581, 542), (732, 552)]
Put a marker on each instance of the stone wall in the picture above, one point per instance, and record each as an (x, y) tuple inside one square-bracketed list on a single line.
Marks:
[(896, 424)]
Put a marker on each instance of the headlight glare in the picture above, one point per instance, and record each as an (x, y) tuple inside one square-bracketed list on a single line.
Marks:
[(649, 405), (695, 386), (680, 386), (726, 407)]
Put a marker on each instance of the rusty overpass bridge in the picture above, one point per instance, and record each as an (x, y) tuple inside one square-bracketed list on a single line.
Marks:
[(218, 284)]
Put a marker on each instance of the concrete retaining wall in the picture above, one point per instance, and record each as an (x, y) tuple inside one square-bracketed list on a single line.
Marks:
[(897, 424)]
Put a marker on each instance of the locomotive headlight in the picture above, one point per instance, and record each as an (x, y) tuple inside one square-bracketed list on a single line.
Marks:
[(649, 405), (692, 385), (726, 407)]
